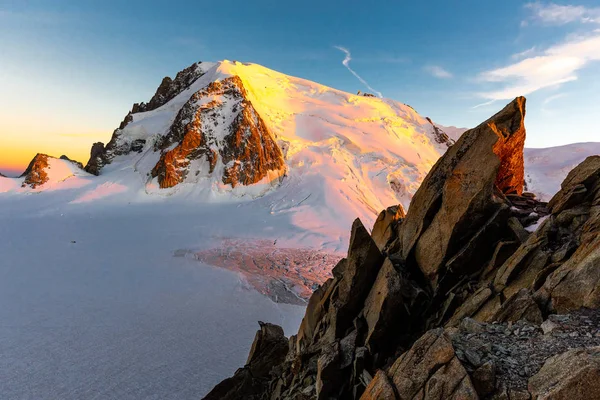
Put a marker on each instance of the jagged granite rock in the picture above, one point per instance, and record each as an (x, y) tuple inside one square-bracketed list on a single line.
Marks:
[(375, 329), (459, 206), (385, 229), (430, 370), (169, 88), (380, 388), (247, 149), (35, 175)]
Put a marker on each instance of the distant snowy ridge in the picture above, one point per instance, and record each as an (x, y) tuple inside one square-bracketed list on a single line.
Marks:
[(546, 168)]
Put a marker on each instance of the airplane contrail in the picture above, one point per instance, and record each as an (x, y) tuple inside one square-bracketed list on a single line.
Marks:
[(346, 64)]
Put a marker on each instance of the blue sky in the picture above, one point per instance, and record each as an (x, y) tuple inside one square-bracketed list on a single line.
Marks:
[(71, 70)]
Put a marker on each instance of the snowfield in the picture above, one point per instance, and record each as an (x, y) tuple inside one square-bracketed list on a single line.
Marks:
[(94, 305)]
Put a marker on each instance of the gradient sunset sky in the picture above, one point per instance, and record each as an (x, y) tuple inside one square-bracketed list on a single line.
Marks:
[(70, 71)]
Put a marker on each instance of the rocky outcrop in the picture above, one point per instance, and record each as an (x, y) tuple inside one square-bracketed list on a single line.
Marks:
[(385, 230), (35, 175), (268, 349), (440, 136), (169, 88), (456, 298), (244, 146), (97, 159), (460, 205)]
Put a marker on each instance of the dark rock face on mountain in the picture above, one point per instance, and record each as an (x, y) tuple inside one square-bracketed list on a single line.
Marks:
[(218, 127), (456, 300), (168, 90), (97, 159), (35, 175), (229, 130), (440, 135)]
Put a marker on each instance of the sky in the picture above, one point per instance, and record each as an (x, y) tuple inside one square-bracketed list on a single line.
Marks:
[(70, 71)]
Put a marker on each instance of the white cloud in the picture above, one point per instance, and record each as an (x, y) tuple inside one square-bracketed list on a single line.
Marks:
[(557, 65), (346, 64), (438, 71), (556, 14)]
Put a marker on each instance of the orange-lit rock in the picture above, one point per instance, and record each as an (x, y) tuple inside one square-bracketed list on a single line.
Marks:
[(244, 146), (35, 174), (509, 147), (458, 195)]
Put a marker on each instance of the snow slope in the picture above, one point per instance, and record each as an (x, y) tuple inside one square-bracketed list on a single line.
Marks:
[(546, 168)]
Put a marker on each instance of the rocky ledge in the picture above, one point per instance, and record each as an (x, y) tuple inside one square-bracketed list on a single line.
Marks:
[(456, 299)]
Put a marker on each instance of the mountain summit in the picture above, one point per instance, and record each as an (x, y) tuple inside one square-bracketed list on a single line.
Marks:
[(230, 124)]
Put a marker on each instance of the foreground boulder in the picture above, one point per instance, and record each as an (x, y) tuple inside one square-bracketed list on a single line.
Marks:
[(454, 300)]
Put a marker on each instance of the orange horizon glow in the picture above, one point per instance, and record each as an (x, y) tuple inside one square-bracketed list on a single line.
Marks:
[(17, 152)]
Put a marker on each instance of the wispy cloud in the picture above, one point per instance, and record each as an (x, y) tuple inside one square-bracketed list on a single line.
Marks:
[(346, 64), (556, 14), (536, 69), (438, 71), (550, 99)]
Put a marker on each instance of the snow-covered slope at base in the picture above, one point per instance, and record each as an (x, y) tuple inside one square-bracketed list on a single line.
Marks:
[(93, 304), (546, 168), (348, 156)]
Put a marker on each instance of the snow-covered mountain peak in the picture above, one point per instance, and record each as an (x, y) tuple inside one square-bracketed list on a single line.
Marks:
[(241, 124)]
